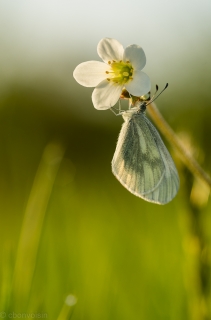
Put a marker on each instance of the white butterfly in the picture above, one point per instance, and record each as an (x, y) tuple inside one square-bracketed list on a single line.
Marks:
[(141, 161)]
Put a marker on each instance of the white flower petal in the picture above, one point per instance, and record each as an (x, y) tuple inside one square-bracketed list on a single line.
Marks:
[(140, 84), (110, 49), (90, 73), (135, 54), (105, 95)]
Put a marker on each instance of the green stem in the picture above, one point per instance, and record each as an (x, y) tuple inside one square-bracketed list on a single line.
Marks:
[(197, 270), (171, 136)]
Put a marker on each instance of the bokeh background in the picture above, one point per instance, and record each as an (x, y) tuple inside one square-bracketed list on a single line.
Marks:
[(74, 243)]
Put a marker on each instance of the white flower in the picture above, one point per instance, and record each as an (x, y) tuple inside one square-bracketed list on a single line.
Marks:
[(121, 69)]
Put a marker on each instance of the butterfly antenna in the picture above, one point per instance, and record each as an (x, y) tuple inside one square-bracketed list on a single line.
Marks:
[(155, 92), (155, 97)]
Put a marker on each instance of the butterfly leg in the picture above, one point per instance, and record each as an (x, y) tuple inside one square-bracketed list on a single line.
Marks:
[(116, 114), (120, 111)]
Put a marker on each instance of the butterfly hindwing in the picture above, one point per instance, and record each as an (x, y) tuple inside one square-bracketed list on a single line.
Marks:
[(142, 163)]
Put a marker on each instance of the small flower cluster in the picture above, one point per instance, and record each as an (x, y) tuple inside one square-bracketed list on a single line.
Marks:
[(121, 69)]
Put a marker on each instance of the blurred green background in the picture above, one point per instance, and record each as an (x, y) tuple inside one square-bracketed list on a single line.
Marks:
[(69, 229)]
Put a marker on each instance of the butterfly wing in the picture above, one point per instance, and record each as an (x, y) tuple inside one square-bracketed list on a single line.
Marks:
[(142, 163)]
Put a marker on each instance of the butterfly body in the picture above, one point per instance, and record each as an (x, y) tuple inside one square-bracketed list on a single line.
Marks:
[(141, 161)]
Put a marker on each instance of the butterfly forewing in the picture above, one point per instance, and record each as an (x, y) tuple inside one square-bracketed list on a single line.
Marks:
[(142, 163)]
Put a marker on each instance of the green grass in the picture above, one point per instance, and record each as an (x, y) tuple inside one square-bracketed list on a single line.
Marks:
[(69, 228)]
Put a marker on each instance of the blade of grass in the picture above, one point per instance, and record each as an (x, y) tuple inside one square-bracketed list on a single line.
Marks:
[(32, 224), (67, 308)]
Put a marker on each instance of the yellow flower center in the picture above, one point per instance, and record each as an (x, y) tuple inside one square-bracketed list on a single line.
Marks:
[(121, 72)]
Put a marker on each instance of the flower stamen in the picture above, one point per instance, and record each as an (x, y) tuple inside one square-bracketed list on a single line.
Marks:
[(121, 72)]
